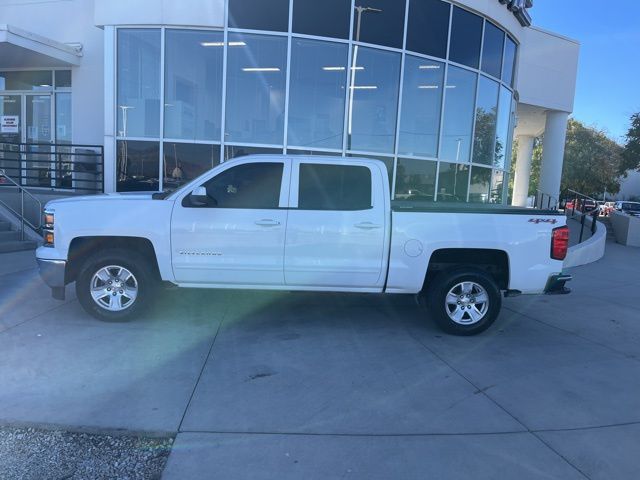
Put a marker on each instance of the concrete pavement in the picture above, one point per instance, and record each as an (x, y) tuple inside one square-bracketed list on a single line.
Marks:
[(297, 385)]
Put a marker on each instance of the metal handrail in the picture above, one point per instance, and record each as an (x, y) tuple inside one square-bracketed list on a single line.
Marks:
[(594, 214), (20, 215), (541, 196)]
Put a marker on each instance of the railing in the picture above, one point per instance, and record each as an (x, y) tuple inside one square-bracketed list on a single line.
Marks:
[(545, 201), (67, 167), (581, 203), (21, 215)]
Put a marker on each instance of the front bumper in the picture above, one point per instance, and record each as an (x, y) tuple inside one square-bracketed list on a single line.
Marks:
[(53, 274), (556, 284)]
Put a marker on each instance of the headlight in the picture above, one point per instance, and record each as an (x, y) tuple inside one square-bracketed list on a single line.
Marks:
[(48, 220)]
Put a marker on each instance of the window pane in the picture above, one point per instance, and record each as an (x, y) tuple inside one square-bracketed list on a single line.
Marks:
[(502, 151), (453, 180), (185, 161), (193, 84), (480, 184), (259, 14), (334, 187), (383, 24), (428, 27), (317, 93), (63, 78), (138, 83), (388, 162), (509, 62), (138, 166), (36, 80), (492, 50), (373, 100), (63, 117), (466, 34), (458, 115), (486, 113), (497, 187), (421, 107), (256, 72), (235, 151), (416, 180), (252, 185), (328, 18)]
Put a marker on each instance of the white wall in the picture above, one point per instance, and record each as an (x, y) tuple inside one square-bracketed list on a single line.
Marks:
[(69, 21), (208, 13), (548, 70), (630, 186)]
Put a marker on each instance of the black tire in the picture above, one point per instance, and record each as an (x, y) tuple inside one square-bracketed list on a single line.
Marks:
[(144, 278), (444, 282)]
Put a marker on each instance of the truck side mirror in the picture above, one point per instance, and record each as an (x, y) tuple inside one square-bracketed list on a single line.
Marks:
[(199, 197)]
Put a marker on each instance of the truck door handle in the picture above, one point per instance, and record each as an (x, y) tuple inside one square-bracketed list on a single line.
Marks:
[(367, 225), (267, 222)]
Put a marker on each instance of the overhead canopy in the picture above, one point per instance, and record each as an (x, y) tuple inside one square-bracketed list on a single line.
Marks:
[(22, 49)]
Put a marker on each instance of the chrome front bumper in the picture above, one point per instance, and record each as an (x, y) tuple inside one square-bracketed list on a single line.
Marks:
[(53, 274)]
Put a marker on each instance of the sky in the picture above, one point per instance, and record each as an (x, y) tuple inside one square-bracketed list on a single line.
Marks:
[(608, 90)]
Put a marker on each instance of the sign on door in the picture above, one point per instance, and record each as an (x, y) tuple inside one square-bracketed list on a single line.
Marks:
[(9, 124)]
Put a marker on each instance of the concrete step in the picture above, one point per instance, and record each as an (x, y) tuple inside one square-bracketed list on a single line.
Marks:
[(4, 226), (17, 246), (8, 235)]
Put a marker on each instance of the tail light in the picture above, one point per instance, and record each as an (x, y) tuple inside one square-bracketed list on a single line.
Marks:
[(559, 243)]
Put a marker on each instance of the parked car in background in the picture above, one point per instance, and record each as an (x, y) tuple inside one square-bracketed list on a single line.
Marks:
[(630, 208), (606, 208), (588, 205)]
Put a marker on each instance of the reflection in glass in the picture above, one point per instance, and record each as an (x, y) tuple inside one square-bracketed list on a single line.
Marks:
[(138, 109), (466, 35), (428, 27), (415, 180), (256, 73), (259, 14), (373, 100), (480, 185), (317, 93), (64, 165), (193, 84), (486, 113), (388, 162), (137, 167), (502, 151), (38, 123), (497, 187), (421, 106), (509, 61), (26, 80), (185, 161), (453, 180), (458, 115), (235, 151), (492, 50), (63, 78), (380, 22), (328, 18)]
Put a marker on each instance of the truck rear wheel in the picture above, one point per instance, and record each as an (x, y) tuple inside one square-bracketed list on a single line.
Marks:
[(115, 285), (464, 301)]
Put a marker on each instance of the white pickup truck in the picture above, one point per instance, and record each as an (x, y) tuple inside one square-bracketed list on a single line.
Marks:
[(300, 223)]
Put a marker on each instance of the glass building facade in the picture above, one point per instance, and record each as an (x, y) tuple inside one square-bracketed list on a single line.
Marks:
[(423, 85)]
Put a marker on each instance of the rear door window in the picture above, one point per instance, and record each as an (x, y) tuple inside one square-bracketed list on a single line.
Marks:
[(334, 187)]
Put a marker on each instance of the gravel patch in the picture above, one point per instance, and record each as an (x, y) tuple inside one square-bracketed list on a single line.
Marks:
[(30, 454)]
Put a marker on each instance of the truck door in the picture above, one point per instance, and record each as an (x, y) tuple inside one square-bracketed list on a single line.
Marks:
[(237, 237), (336, 226)]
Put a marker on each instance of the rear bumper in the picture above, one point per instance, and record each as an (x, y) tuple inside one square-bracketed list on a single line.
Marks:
[(556, 284), (52, 273)]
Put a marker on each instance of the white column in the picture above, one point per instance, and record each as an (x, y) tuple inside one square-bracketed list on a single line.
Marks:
[(109, 109), (555, 134), (523, 170)]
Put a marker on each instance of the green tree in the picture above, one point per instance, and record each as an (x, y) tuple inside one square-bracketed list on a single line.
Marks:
[(631, 153)]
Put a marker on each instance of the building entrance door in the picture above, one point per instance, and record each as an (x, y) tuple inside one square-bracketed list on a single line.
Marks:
[(10, 134), (38, 165)]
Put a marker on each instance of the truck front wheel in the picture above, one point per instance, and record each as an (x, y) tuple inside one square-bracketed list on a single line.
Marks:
[(464, 301), (115, 285)]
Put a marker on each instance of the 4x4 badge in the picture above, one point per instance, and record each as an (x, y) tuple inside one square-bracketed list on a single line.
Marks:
[(552, 221)]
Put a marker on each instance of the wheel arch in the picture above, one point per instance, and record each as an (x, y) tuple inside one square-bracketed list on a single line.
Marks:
[(81, 247), (493, 261)]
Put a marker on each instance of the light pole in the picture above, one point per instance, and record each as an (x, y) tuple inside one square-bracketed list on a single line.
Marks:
[(354, 61)]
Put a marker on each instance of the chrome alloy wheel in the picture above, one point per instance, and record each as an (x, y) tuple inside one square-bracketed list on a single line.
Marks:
[(114, 288), (467, 303)]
